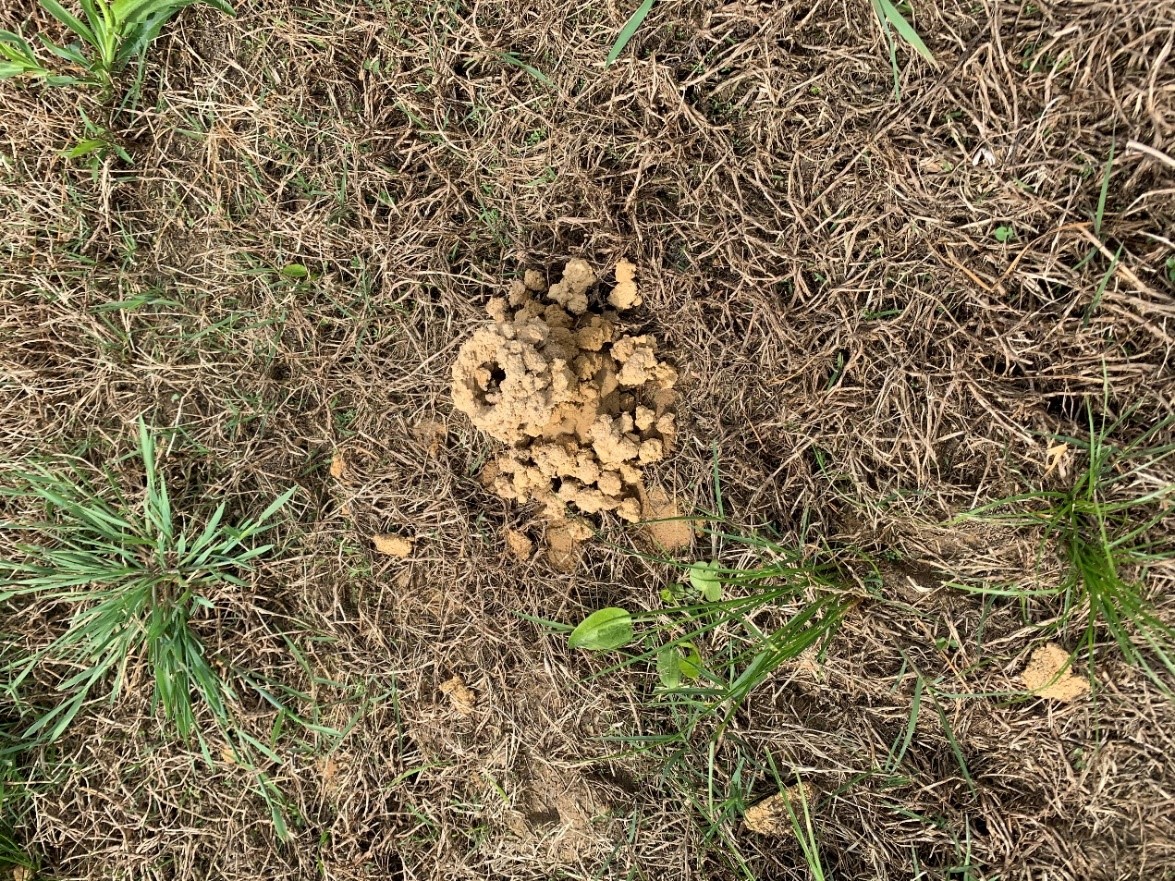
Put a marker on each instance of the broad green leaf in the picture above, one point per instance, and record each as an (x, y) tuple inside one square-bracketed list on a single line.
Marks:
[(295, 271), (134, 11), (673, 666), (22, 52), (704, 578), (84, 147), (8, 69), (669, 666), (603, 631), (672, 594), (71, 53), (136, 39), (691, 663)]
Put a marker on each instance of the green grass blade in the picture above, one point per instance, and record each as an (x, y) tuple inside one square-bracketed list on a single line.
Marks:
[(511, 58), (1096, 302), (630, 28), (70, 20), (205, 538), (1101, 199), (896, 757), (955, 748), (274, 506), (904, 28)]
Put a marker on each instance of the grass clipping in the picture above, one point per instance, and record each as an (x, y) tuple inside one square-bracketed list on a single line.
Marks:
[(580, 406)]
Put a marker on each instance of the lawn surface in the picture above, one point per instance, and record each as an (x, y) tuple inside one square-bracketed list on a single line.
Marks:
[(895, 293)]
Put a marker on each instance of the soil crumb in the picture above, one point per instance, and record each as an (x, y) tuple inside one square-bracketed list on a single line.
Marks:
[(770, 816), (460, 695), (625, 295), (1043, 676), (581, 406), (519, 544), (391, 545), (565, 543), (667, 534)]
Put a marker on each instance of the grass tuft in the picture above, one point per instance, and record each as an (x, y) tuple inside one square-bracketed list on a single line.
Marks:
[(133, 576), (630, 28), (1109, 526), (110, 34)]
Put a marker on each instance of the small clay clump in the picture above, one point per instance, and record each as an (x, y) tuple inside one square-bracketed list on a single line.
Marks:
[(1049, 674), (581, 406)]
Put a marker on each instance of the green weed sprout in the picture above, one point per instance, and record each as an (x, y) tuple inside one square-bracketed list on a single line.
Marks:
[(720, 604), (110, 34), (135, 576), (1107, 524)]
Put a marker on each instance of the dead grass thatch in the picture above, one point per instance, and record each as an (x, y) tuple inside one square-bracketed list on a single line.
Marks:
[(821, 262)]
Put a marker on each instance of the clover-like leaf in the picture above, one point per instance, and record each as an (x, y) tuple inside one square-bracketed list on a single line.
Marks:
[(704, 577)]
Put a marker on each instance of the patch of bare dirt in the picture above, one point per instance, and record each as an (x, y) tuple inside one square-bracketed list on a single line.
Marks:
[(560, 815)]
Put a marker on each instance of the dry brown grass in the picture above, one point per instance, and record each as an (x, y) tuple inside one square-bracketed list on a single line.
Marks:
[(819, 260)]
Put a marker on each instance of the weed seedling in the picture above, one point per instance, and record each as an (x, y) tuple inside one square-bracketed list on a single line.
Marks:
[(133, 577), (1108, 526), (96, 147), (718, 605), (110, 33)]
